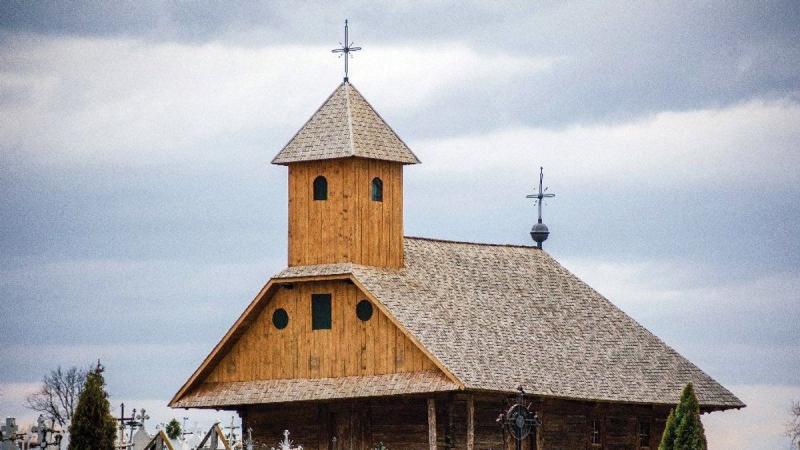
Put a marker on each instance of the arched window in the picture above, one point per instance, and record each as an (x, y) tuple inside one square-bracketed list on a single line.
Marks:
[(377, 190), (320, 188)]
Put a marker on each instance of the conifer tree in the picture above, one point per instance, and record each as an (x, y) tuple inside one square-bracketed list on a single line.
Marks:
[(684, 430), (173, 429), (668, 438), (93, 427)]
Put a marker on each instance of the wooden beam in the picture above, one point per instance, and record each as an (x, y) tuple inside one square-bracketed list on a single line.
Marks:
[(470, 422), (431, 424)]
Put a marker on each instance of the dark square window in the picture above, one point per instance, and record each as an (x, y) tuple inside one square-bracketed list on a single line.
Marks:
[(595, 438), (644, 434), (320, 311)]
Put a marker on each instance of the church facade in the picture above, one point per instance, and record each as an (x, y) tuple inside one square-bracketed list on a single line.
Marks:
[(370, 337)]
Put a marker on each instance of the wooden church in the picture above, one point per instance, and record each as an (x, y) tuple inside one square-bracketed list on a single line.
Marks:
[(370, 337)]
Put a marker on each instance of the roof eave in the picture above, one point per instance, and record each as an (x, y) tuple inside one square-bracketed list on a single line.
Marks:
[(704, 406), (288, 161)]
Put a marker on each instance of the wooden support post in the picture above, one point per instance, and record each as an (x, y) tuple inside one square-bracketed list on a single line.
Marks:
[(214, 438), (449, 439), (431, 424), (470, 422)]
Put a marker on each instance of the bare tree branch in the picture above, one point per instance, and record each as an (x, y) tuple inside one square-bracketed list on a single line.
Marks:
[(793, 430), (57, 396)]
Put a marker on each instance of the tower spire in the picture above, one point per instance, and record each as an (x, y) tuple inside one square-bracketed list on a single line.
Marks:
[(539, 232), (345, 50)]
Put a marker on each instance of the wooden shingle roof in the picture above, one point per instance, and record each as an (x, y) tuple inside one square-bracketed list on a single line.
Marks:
[(498, 317), (492, 318), (345, 126), (217, 395)]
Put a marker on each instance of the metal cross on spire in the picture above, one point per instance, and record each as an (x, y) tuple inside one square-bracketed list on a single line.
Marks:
[(539, 232), (345, 49)]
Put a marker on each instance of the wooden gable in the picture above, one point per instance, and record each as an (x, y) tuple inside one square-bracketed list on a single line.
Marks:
[(351, 347)]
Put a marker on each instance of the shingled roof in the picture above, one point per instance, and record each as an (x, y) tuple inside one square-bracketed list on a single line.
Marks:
[(498, 317), (345, 126), (493, 317), (293, 390)]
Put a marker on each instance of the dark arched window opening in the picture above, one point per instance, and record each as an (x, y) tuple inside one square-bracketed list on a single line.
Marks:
[(377, 190), (320, 188)]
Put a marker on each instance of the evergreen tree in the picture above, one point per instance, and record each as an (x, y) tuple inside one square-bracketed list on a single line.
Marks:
[(684, 430), (668, 438), (173, 429), (93, 427)]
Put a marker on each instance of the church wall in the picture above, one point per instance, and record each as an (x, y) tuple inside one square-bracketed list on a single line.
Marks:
[(568, 424), (351, 347), (348, 226), (400, 423)]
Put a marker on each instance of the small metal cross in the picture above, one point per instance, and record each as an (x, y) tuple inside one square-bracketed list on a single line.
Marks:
[(142, 416), (232, 428), (541, 195), (345, 49)]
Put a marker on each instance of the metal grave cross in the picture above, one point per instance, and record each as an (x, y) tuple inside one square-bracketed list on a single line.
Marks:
[(346, 49), (141, 417), (232, 431), (286, 443), (123, 421)]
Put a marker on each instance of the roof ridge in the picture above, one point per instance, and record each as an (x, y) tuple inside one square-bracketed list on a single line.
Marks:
[(483, 244), (364, 99), (349, 110), (327, 99)]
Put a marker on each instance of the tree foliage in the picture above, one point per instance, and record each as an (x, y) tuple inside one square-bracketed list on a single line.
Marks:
[(173, 429), (58, 395), (92, 427), (668, 438), (684, 430)]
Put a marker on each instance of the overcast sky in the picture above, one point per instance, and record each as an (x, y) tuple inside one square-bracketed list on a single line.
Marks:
[(139, 213)]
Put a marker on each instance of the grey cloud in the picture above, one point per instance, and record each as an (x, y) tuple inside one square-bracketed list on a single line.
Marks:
[(172, 249), (617, 59)]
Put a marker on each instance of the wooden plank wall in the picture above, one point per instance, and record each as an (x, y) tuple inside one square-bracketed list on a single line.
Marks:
[(401, 423), (567, 424), (349, 226), (351, 347)]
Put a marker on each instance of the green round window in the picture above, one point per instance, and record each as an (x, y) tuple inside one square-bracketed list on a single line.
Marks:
[(280, 318), (364, 310)]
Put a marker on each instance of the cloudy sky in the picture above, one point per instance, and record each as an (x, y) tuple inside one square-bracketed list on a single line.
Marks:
[(139, 213)]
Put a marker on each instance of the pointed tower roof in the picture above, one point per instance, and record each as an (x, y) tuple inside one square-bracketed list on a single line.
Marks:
[(345, 126)]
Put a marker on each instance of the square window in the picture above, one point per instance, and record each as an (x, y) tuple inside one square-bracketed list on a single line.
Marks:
[(320, 311), (595, 435), (644, 434)]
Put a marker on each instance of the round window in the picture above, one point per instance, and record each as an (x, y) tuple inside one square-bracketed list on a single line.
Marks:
[(364, 310), (280, 318)]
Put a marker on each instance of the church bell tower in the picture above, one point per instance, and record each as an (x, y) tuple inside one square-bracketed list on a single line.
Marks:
[(346, 185)]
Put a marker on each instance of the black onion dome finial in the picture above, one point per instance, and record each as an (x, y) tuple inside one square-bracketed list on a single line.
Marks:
[(539, 232)]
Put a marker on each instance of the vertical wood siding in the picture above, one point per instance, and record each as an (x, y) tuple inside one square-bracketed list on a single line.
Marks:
[(351, 347), (349, 226)]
